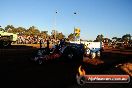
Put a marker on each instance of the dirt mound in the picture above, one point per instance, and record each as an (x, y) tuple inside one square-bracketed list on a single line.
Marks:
[(127, 67), (93, 61)]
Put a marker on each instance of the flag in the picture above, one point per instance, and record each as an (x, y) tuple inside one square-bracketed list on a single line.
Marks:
[(77, 31)]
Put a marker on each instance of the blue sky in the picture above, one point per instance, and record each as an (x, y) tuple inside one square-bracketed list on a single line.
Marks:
[(108, 17)]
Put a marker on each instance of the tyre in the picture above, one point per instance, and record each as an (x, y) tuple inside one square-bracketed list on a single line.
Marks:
[(93, 55), (40, 53), (6, 43), (68, 54), (98, 53), (87, 52), (40, 61)]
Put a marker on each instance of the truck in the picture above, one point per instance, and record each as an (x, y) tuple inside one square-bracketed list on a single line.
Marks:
[(7, 38)]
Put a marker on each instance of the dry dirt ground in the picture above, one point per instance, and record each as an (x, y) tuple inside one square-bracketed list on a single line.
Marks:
[(22, 73)]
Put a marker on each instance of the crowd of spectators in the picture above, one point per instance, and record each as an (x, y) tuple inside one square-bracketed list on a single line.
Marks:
[(23, 39)]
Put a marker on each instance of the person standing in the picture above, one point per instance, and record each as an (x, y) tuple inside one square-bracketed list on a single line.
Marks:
[(47, 44), (40, 43)]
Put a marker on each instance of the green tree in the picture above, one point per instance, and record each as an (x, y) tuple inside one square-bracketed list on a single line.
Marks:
[(33, 31), (1, 29), (60, 36), (9, 27), (119, 39), (54, 34), (126, 37), (20, 29), (114, 38), (44, 34), (71, 37), (99, 38)]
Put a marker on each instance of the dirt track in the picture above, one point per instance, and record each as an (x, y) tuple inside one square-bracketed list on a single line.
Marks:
[(24, 74)]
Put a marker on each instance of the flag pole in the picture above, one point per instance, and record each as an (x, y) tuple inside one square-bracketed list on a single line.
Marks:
[(55, 24), (75, 29)]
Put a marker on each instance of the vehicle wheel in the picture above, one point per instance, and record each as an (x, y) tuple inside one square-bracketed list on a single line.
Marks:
[(46, 58), (39, 52), (40, 61), (87, 52), (93, 55), (98, 53), (6, 43), (70, 55), (67, 53)]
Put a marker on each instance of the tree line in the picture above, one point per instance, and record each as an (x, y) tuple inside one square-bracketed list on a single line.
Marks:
[(34, 31)]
